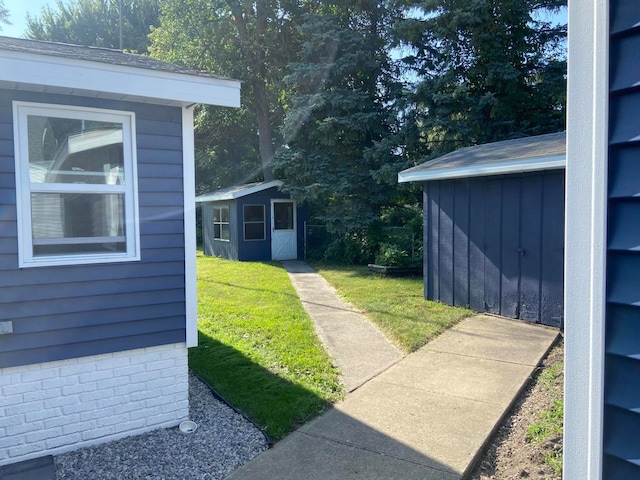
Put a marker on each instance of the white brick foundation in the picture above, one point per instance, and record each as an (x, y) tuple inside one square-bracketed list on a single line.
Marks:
[(55, 407)]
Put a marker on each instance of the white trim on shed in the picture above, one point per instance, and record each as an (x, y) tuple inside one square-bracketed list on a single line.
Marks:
[(520, 155), (233, 193)]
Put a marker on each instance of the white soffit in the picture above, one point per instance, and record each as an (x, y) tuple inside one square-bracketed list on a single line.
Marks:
[(55, 74), (484, 169)]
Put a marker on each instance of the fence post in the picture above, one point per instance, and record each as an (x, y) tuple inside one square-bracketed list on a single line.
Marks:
[(304, 242)]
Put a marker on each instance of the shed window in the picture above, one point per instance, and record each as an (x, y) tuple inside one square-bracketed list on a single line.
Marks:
[(76, 178), (221, 223), (254, 225)]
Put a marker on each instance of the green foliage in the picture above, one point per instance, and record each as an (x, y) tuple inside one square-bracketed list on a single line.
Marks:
[(4, 15), (258, 347), (253, 41), (549, 423), (226, 148), (351, 248), (487, 70), (395, 238), (396, 305), (339, 127), (96, 23), (392, 255)]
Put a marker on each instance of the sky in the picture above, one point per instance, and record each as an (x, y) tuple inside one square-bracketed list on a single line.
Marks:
[(18, 10)]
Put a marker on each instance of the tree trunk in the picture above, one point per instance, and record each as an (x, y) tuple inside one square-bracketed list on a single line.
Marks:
[(253, 49), (265, 137)]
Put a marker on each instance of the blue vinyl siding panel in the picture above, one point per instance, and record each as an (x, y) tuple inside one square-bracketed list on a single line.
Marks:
[(496, 244), (622, 337), (72, 311)]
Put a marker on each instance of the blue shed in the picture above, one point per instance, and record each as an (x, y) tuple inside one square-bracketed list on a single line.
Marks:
[(252, 222), (494, 227), (98, 302)]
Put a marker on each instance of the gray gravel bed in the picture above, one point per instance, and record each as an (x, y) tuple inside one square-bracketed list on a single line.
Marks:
[(223, 442)]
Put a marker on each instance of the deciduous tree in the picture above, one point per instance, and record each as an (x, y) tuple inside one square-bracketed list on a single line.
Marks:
[(4, 15), (253, 41), (96, 23)]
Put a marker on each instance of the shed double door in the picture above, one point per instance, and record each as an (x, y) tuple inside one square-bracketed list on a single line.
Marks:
[(496, 245), (524, 249)]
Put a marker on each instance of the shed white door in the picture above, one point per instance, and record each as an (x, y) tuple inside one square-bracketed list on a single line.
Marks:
[(284, 244)]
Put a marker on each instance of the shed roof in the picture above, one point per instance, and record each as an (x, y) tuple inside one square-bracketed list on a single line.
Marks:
[(238, 191), (541, 152), (82, 70)]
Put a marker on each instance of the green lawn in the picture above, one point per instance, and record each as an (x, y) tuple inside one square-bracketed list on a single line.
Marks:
[(396, 305), (257, 346)]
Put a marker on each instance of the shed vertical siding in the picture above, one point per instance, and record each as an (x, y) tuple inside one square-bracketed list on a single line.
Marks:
[(72, 311), (495, 244), (622, 342)]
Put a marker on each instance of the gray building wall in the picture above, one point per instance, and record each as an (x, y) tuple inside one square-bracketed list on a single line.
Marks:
[(216, 247), (73, 311)]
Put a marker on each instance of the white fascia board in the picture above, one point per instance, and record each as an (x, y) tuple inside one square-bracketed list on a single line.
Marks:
[(483, 170), (189, 183), (585, 237), (238, 194), (65, 73)]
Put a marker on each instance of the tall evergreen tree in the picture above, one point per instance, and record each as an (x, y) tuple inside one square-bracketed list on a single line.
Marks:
[(339, 155), (488, 70), (96, 23)]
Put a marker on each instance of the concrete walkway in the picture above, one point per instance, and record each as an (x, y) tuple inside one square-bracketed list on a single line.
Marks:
[(359, 349), (427, 417)]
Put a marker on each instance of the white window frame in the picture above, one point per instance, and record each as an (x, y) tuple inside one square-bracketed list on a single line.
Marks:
[(221, 223), (26, 258)]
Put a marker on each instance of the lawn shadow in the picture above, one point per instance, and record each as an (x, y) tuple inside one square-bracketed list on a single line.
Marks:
[(275, 404), (334, 445)]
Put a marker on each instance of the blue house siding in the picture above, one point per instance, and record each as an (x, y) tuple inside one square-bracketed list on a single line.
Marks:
[(496, 245), (622, 341), (71, 311)]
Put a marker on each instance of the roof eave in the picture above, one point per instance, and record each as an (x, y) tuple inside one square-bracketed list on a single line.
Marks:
[(417, 174), (213, 197), (64, 75)]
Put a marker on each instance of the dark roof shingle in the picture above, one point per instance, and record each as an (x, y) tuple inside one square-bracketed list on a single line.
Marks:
[(95, 54)]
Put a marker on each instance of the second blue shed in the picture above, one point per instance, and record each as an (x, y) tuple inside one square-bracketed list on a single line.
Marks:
[(494, 227), (252, 222)]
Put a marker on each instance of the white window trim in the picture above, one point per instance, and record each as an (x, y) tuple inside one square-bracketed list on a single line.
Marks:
[(264, 223), (23, 197), (228, 223)]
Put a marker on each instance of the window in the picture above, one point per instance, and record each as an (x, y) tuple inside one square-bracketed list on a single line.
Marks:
[(283, 215), (76, 179), (221, 223), (254, 222)]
